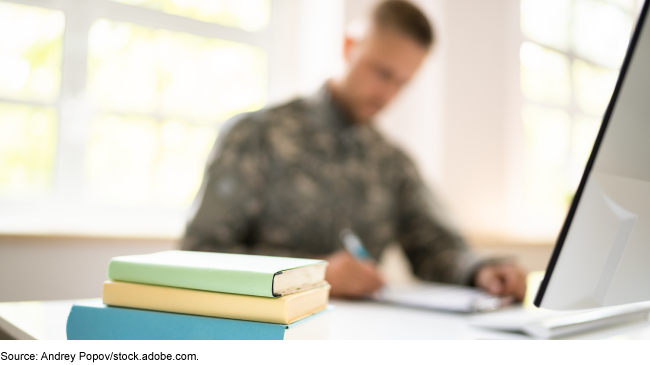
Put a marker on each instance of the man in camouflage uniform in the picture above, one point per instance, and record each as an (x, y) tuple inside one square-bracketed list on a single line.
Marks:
[(284, 181)]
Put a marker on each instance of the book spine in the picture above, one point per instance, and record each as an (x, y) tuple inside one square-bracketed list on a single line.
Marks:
[(114, 323), (225, 281)]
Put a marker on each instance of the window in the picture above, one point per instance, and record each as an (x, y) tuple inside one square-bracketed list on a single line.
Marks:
[(570, 58), (30, 78), (158, 94), (112, 112)]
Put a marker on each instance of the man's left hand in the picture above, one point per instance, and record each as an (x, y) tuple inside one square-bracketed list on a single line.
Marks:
[(502, 279)]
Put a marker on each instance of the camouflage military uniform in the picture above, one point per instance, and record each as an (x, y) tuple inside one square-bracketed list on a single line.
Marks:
[(284, 181)]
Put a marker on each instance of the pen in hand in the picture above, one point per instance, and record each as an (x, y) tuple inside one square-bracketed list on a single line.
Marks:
[(353, 244)]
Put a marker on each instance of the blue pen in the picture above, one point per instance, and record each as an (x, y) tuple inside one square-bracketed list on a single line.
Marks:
[(353, 244)]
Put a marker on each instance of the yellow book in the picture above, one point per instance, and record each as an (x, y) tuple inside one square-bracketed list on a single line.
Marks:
[(283, 310)]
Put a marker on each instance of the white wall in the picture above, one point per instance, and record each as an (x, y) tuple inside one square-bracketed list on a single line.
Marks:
[(307, 43), (481, 109)]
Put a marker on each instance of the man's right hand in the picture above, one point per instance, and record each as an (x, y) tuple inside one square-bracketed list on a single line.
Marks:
[(351, 278)]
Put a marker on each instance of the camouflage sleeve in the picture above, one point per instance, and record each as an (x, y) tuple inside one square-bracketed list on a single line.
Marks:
[(435, 250), (231, 194)]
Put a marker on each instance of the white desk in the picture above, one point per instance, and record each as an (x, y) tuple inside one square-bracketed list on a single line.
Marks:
[(349, 321)]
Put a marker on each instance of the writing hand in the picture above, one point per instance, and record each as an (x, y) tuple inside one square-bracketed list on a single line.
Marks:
[(351, 278)]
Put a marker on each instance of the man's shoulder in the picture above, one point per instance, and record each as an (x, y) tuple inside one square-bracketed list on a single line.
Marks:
[(388, 148), (272, 116), (290, 108)]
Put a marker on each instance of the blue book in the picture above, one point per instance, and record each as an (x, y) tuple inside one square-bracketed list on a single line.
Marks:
[(94, 320)]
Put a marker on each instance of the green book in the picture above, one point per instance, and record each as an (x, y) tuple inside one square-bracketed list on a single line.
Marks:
[(263, 276)]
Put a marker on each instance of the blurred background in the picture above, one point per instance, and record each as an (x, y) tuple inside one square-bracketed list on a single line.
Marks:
[(108, 109)]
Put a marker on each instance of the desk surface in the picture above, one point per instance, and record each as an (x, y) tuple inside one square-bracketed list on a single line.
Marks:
[(351, 320)]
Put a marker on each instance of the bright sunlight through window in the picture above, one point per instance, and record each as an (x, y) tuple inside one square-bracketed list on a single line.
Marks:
[(30, 80), (570, 59), (159, 94), (116, 108)]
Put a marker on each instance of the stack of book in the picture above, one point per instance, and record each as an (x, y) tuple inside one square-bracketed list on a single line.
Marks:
[(197, 295)]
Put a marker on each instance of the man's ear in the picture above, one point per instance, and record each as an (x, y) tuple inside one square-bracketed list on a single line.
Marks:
[(349, 44)]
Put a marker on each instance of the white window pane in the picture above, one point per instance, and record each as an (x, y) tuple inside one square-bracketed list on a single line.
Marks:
[(134, 69), (601, 32), (30, 52), (547, 22), (250, 15), (27, 149), (547, 133), (545, 75), (593, 87), (138, 160)]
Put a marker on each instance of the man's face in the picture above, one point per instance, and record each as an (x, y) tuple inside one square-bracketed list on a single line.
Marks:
[(377, 68)]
